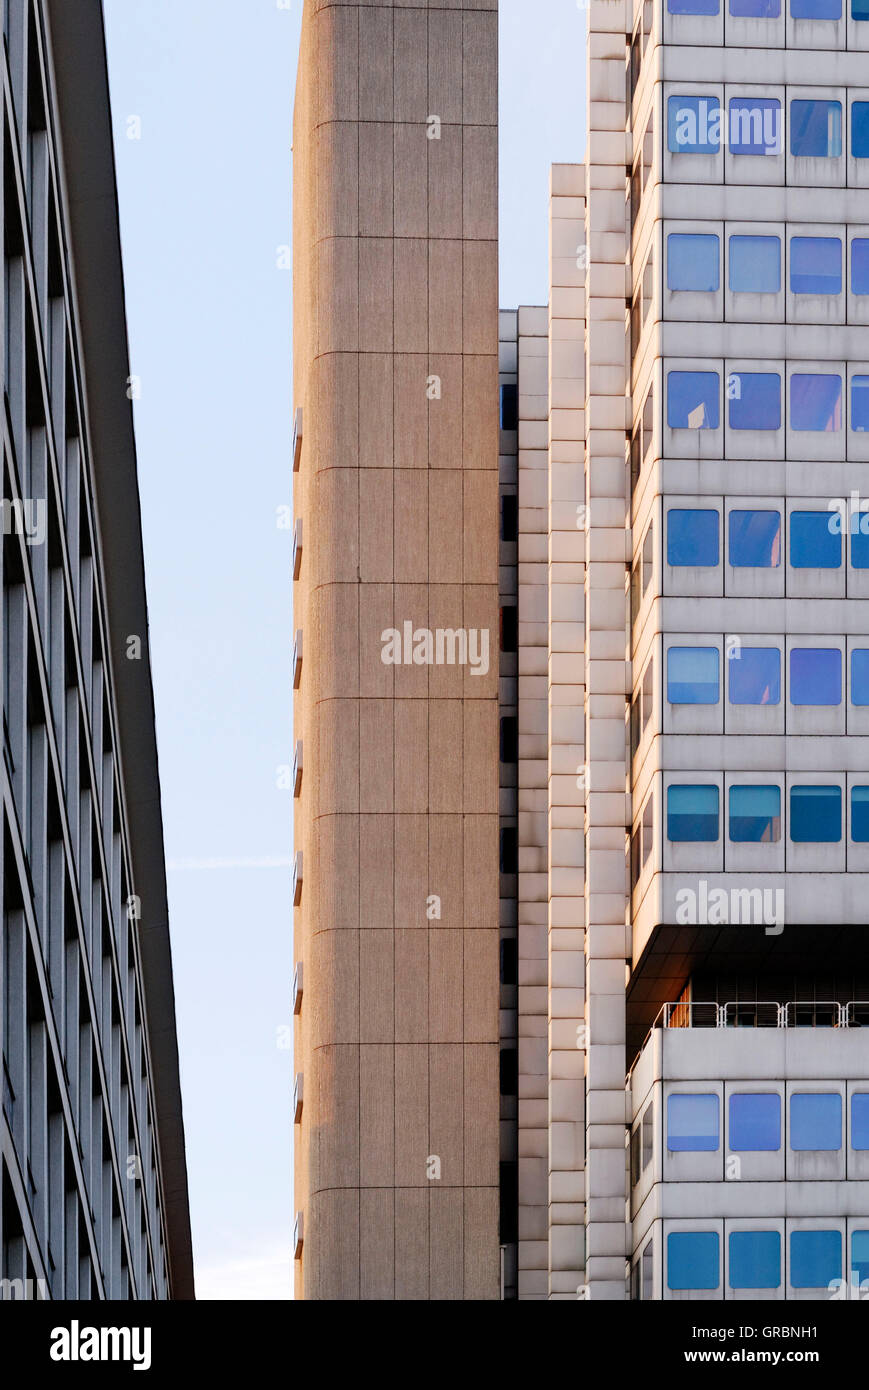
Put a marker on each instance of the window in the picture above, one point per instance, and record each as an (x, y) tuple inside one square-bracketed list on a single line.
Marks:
[(648, 557), (635, 1157), (692, 1123), (755, 1122), (692, 1260), (755, 540), (648, 1271), (860, 129), (816, 9), (648, 1116), (860, 815), (860, 265), (692, 814), (754, 401), (693, 125), (648, 829), (754, 676), (755, 9), (755, 815), (816, 1259), (692, 400), (816, 1122), (755, 125), (816, 401), (648, 694), (860, 9), (860, 404), (755, 264), (860, 1120), (692, 6), (860, 1260), (816, 676), (754, 1260), (692, 675), (816, 542), (816, 129), (816, 265), (643, 437), (860, 540), (860, 676), (816, 815), (509, 850), (692, 537), (509, 407), (692, 261)]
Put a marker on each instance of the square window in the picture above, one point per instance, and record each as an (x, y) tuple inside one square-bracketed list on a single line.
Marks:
[(816, 401), (692, 262), (755, 540), (692, 537), (860, 130), (816, 815), (754, 1260), (755, 1122), (816, 1259), (692, 675), (754, 676), (816, 1122), (860, 676), (754, 400), (692, 400), (816, 265), (692, 1123), (860, 815), (816, 676), (816, 9), (860, 404), (860, 1260), (860, 1121), (860, 265), (755, 264), (816, 541), (755, 9), (692, 814), (755, 125), (755, 815), (693, 125), (816, 129), (693, 1260), (860, 540)]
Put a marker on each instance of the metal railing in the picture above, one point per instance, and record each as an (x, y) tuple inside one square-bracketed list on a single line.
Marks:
[(749, 1013)]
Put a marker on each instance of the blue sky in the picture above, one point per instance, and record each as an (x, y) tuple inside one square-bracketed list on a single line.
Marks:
[(205, 210)]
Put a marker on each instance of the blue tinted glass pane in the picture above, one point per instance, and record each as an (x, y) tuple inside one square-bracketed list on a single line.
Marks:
[(860, 815), (692, 6), (755, 264), (860, 540), (816, 1122), (692, 261), (692, 1123), (755, 9), (755, 1122), (692, 537), (754, 401), (816, 129), (860, 264), (860, 676), (755, 125), (816, 9), (754, 1260), (860, 9), (860, 130), (816, 265), (692, 1260), (692, 814), (816, 1259), (693, 125), (816, 542), (755, 815), (816, 401), (860, 1259), (860, 1120), (754, 676), (692, 676), (755, 539), (816, 676), (816, 815), (692, 400), (860, 403)]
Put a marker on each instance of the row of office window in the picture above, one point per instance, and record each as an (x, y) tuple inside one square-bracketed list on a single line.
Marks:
[(753, 125), (815, 1259), (755, 814), (754, 264), (754, 1122), (816, 539), (771, 9), (754, 676), (815, 401)]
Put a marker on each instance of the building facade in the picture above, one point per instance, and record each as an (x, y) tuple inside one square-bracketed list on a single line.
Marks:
[(94, 1189)]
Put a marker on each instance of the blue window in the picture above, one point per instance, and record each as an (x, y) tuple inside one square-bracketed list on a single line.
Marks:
[(816, 815), (692, 1260), (692, 1123), (755, 1122), (692, 814), (860, 541), (755, 815), (755, 264), (816, 265), (693, 125), (860, 1120), (816, 9), (816, 129), (860, 265), (860, 815), (860, 130), (692, 537), (816, 401), (754, 401), (692, 675), (692, 400), (754, 676), (860, 404), (755, 125), (692, 261), (860, 9), (816, 676), (755, 540), (816, 541), (692, 6), (860, 1259), (860, 676), (816, 1259), (754, 1260), (755, 9), (816, 1122)]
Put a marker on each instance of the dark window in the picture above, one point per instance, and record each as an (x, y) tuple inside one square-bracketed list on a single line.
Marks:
[(510, 407), (509, 517), (509, 961), (509, 849), (509, 1071), (509, 739), (509, 1223), (509, 628)]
